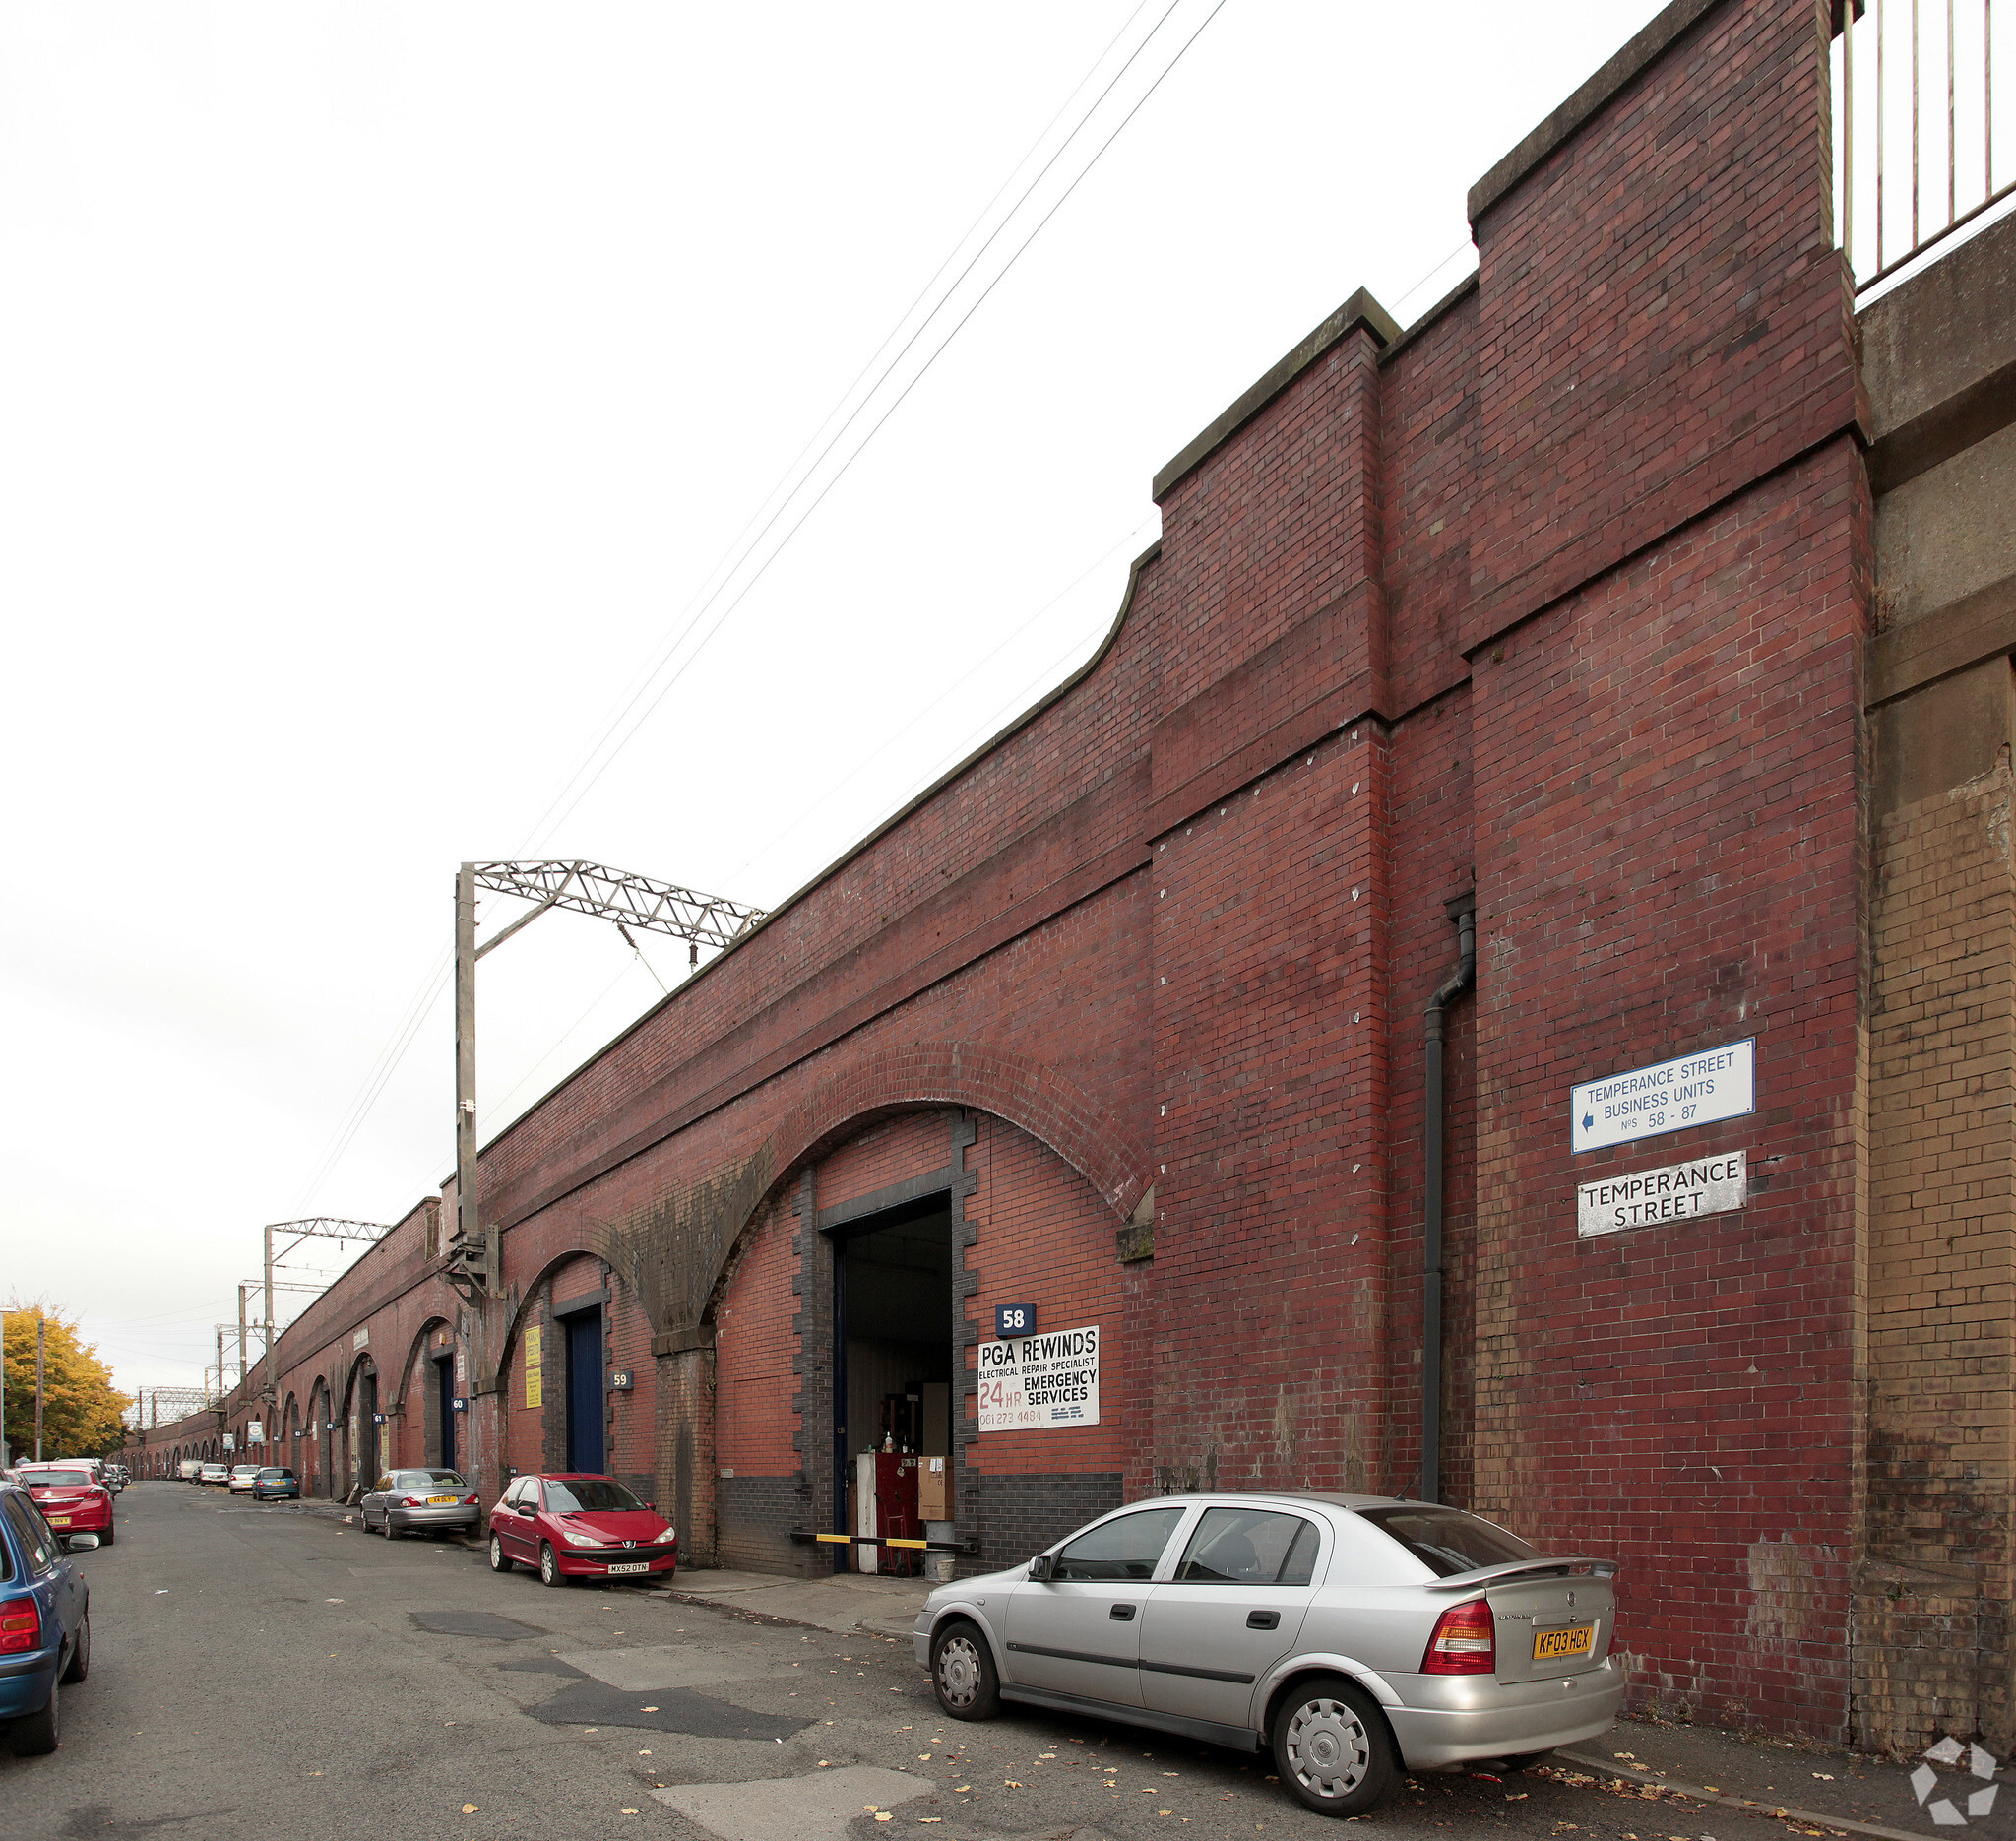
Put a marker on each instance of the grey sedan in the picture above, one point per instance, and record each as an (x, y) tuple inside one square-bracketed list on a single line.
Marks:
[(1359, 1638), (431, 1502)]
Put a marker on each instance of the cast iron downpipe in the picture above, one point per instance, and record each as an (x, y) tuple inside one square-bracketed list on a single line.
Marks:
[(1464, 912)]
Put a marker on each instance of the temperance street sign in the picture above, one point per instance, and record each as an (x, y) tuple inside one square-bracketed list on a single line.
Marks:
[(1710, 1186), (1692, 1089)]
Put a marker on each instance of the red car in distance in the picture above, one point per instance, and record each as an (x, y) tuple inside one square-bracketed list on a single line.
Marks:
[(71, 1498), (574, 1526)]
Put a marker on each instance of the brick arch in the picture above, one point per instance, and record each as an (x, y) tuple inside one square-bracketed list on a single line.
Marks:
[(593, 1241), (1029, 1094), (413, 1348)]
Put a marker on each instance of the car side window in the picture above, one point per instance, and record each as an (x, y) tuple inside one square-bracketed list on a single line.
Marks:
[(521, 1495), (37, 1544), (1125, 1548), (1249, 1546)]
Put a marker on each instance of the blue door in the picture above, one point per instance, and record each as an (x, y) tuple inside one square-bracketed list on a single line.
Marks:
[(444, 1381), (585, 1390)]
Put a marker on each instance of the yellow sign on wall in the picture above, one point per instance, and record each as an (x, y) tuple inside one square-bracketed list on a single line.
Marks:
[(535, 1378)]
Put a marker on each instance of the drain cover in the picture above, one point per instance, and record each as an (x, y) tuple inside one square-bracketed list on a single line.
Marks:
[(590, 1702), (472, 1624)]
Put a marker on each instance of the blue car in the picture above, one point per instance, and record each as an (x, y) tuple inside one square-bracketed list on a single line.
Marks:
[(276, 1484), (44, 1622)]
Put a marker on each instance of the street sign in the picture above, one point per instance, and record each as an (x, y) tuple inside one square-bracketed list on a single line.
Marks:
[(620, 1380), (1014, 1319), (377, 1419), (231, 1442), (1672, 1096), (1710, 1186), (255, 1432), (1031, 1384), (458, 1405), (361, 1337)]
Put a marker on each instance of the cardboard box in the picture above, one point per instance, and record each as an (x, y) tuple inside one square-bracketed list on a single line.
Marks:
[(934, 1489)]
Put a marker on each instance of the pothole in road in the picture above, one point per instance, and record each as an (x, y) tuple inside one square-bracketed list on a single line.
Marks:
[(472, 1624), (664, 1710)]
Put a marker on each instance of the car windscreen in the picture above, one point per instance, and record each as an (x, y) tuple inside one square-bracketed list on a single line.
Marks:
[(276, 1475), (587, 1493), (57, 1479), (1447, 1541), (428, 1480)]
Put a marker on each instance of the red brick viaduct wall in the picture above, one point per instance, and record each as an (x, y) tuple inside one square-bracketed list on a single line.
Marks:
[(1556, 599)]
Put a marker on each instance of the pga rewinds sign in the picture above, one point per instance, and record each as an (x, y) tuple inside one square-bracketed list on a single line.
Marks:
[(1031, 1384)]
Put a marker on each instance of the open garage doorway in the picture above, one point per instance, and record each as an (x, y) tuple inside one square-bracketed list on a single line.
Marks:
[(893, 1371)]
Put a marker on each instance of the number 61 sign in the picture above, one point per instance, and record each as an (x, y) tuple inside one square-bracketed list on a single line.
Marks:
[(1014, 1319)]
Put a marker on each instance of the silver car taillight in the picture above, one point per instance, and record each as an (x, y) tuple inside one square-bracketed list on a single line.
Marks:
[(1465, 1641)]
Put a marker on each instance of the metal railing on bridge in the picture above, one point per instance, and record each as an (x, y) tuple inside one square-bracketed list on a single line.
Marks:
[(1925, 127)]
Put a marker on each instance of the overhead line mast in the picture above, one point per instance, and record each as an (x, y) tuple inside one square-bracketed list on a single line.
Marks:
[(315, 1227), (630, 901)]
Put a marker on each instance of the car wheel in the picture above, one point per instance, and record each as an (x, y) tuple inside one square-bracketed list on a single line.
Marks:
[(500, 1560), (109, 1535), (389, 1532), (549, 1566), (80, 1658), (1525, 1760), (962, 1673), (1332, 1748), (40, 1733)]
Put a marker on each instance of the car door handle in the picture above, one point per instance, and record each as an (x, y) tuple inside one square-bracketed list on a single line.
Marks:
[(1263, 1619), (1122, 1614)]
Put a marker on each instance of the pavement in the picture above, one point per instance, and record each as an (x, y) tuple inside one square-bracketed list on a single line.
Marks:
[(263, 1670)]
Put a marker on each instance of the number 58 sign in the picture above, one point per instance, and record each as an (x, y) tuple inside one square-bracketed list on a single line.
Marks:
[(1014, 1319)]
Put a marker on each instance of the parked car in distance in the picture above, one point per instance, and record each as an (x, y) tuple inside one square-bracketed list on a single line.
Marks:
[(70, 1499), (44, 1622), (118, 1475), (573, 1526), (214, 1473), (417, 1502), (1359, 1637), (191, 1470), (276, 1484), (240, 1479)]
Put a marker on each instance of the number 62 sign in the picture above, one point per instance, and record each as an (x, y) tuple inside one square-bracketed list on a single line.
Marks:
[(1014, 1319)]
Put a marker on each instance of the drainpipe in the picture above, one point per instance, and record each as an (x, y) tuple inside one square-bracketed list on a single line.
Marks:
[(1462, 911)]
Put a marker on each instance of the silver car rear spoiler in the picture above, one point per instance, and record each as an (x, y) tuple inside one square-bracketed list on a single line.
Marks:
[(1524, 1569)]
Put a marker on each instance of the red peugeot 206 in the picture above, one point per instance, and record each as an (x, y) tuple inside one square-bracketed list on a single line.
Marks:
[(71, 1498), (573, 1526)]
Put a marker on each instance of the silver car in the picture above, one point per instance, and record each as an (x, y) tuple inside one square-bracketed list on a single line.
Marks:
[(1358, 1636), (431, 1502)]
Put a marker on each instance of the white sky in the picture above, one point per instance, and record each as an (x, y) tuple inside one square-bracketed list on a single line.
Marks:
[(380, 384)]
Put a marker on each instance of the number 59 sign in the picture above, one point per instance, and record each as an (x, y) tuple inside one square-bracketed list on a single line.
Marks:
[(1014, 1319)]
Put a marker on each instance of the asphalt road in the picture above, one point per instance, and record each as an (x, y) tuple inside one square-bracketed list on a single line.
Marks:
[(265, 1672)]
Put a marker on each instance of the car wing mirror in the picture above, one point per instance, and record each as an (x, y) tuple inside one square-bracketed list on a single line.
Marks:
[(81, 1542), (1042, 1566)]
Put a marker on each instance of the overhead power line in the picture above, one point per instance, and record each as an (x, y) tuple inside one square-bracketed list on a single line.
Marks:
[(610, 744), (614, 735)]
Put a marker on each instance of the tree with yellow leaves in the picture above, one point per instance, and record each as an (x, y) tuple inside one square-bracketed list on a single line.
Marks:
[(80, 1409)]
